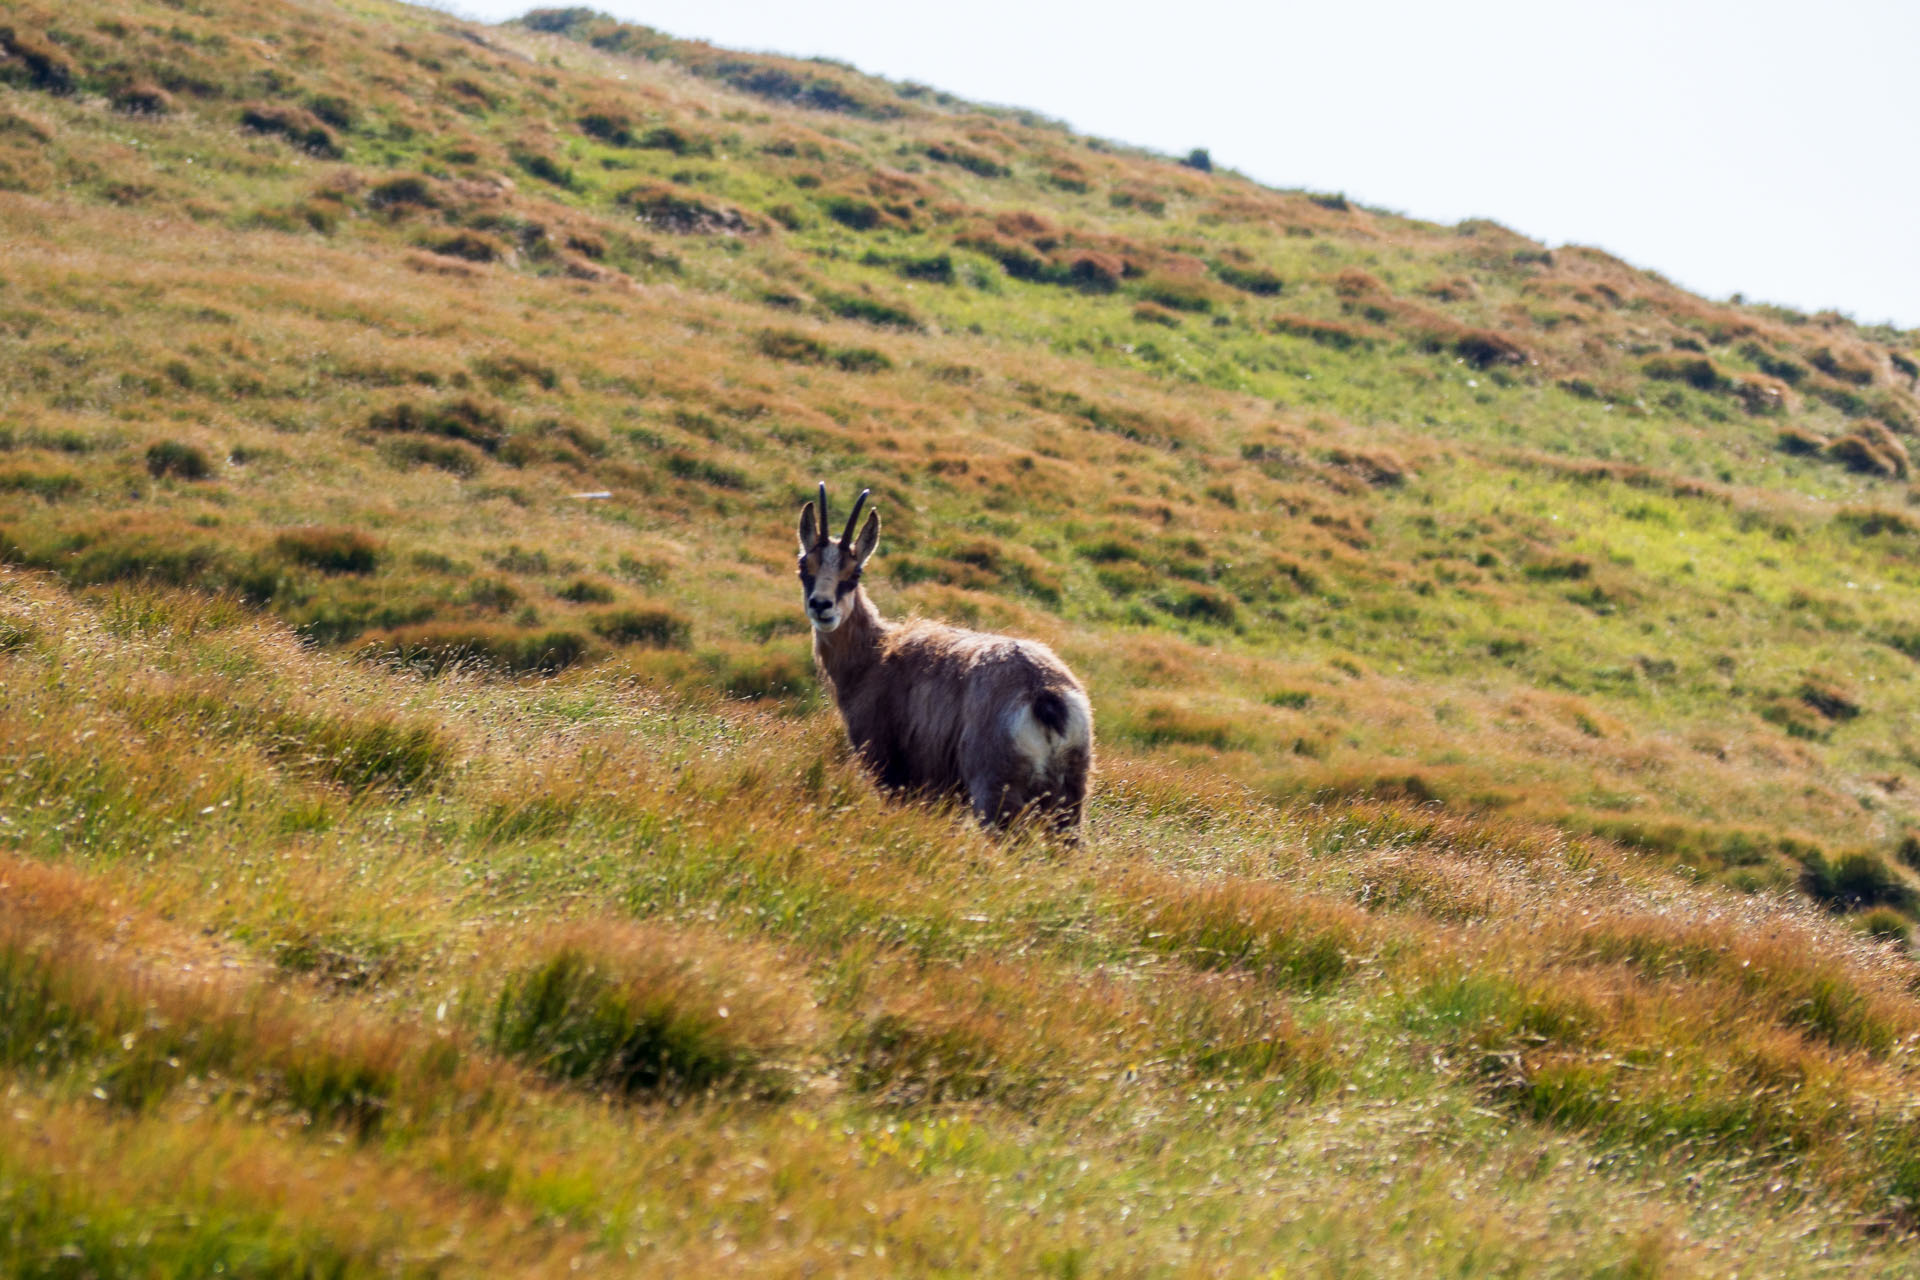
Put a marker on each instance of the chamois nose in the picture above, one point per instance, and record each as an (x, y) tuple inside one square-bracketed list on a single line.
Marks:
[(820, 607)]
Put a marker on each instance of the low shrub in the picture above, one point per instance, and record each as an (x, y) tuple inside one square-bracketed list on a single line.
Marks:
[(436, 646), (404, 190), (330, 550), (647, 1015), (852, 306), (1801, 442), (678, 211), (296, 124), (469, 246), (853, 212), (1698, 372), (1181, 293), (539, 164), (785, 344), (653, 628), (363, 752), (1886, 925), (43, 65), (1255, 280), (49, 485), (443, 455), (143, 98), (608, 121), (974, 162), (1854, 880), (181, 461), (1094, 272), (1328, 333), (1837, 365), (666, 137), (465, 419), (1830, 698), (586, 591)]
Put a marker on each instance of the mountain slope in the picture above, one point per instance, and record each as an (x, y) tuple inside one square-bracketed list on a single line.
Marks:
[(1492, 646)]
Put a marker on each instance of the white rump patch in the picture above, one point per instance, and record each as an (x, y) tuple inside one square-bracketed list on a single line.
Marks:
[(1036, 744)]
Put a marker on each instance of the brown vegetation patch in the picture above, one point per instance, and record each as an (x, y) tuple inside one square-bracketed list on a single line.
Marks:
[(680, 211)]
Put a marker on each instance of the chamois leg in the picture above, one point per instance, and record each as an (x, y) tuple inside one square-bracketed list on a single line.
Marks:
[(998, 797), (1063, 805)]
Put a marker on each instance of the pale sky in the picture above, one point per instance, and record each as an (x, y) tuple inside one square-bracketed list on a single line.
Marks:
[(1760, 147)]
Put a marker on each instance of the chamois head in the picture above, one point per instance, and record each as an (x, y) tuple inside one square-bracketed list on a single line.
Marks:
[(829, 571)]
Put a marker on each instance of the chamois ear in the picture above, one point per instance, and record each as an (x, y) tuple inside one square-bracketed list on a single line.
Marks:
[(809, 528), (869, 539)]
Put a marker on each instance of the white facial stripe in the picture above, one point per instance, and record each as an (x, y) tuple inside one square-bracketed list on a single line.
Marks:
[(827, 580)]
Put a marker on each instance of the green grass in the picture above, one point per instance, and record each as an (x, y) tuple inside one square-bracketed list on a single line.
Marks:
[(423, 827)]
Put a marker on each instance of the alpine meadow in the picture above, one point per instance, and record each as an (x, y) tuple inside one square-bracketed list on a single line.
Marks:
[(427, 848)]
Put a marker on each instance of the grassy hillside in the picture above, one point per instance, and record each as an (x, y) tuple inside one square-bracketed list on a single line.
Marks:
[(424, 846)]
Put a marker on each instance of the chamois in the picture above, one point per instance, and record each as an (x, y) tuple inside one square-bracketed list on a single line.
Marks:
[(934, 710)]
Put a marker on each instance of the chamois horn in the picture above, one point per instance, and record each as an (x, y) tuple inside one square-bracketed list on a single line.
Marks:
[(824, 526), (846, 539)]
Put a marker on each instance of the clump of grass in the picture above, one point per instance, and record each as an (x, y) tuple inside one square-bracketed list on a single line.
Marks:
[(330, 550), (1854, 880), (539, 164), (1259, 281), (786, 344), (468, 246), (364, 752), (917, 1061), (43, 64), (655, 628), (585, 590), (646, 1013), (679, 211), (1284, 938), (433, 647), (464, 419), (1829, 697), (1871, 450), (442, 455), (143, 98), (874, 311), (1884, 924), (179, 460), (1178, 292), (296, 124), (133, 1035), (48, 485), (403, 191)]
